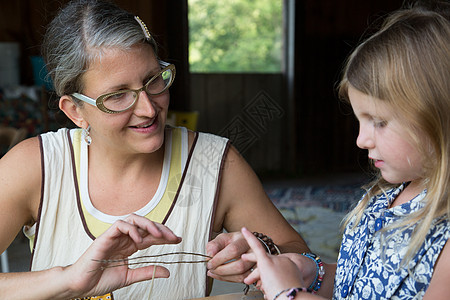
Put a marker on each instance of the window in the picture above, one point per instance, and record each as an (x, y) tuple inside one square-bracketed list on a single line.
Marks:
[(235, 36)]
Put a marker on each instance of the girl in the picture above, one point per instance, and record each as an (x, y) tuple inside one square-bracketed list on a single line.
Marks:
[(395, 240)]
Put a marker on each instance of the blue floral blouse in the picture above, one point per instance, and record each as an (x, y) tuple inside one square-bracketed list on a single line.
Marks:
[(369, 262)]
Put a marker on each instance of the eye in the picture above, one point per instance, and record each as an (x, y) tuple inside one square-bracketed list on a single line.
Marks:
[(115, 97), (156, 80), (379, 123)]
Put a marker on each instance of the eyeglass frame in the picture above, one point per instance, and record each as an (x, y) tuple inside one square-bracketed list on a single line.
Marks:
[(99, 101)]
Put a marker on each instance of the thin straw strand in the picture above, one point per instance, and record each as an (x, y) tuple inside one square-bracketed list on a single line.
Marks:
[(152, 256), (153, 280), (126, 261)]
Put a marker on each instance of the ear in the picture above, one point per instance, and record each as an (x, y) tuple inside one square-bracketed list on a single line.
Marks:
[(72, 111)]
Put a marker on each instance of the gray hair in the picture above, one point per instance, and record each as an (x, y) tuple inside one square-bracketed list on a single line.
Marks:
[(79, 33)]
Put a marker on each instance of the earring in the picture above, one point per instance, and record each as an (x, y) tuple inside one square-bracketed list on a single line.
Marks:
[(86, 136)]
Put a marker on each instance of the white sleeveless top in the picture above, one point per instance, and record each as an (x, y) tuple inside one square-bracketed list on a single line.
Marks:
[(184, 201)]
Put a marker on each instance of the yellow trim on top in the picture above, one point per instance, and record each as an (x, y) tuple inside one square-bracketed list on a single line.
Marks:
[(157, 214)]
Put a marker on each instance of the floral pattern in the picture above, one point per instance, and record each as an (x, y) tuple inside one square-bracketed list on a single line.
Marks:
[(369, 264)]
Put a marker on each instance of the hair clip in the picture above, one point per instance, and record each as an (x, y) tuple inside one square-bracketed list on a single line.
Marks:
[(144, 28)]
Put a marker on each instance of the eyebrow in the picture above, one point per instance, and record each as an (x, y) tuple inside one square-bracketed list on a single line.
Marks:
[(147, 77)]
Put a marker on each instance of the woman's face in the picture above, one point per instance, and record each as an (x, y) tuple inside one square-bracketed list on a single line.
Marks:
[(139, 129)]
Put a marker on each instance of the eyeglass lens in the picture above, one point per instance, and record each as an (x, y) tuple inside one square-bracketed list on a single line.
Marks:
[(119, 101)]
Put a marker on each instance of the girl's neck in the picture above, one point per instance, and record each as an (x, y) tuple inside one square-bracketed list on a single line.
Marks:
[(413, 189)]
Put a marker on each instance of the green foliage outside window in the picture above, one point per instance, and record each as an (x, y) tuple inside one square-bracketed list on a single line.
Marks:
[(235, 36)]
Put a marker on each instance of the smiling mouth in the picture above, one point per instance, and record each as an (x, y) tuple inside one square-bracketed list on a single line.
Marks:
[(144, 125)]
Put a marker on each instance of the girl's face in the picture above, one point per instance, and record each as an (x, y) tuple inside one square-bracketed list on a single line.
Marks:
[(139, 129), (386, 139)]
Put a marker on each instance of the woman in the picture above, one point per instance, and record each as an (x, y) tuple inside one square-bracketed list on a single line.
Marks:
[(69, 187)]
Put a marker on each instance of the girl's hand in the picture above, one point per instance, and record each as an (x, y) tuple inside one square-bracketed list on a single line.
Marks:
[(305, 265), (226, 264), (123, 238), (274, 273)]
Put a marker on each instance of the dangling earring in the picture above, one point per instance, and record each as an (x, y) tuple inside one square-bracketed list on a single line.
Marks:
[(87, 137)]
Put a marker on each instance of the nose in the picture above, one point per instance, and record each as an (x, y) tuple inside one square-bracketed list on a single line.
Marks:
[(144, 105), (365, 138)]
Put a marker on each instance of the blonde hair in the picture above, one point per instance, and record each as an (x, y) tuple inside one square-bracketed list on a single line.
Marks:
[(407, 64)]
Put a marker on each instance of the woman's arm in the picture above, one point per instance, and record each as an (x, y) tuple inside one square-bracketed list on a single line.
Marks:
[(244, 203), (89, 276), (20, 186)]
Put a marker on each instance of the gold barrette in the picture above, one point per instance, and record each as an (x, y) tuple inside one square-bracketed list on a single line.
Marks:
[(144, 28)]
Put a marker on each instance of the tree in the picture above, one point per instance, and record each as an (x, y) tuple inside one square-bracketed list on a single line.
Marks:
[(235, 36)]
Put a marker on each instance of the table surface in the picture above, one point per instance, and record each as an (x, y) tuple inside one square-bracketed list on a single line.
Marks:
[(252, 295)]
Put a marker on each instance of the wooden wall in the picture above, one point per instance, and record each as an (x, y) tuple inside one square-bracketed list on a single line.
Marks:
[(326, 32), (249, 109)]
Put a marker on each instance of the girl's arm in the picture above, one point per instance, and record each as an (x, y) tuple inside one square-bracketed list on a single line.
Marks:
[(243, 203), (439, 287), (327, 285)]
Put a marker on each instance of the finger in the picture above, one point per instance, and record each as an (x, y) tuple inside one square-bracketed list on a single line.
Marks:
[(252, 277), (259, 284), (149, 241), (154, 232), (167, 233), (146, 273), (135, 233), (231, 251), (249, 257), (254, 244), (230, 278), (116, 231), (235, 267), (125, 228), (217, 244), (144, 225)]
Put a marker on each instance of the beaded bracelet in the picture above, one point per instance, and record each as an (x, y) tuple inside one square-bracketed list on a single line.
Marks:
[(292, 292), (271, 247), (317, 282)]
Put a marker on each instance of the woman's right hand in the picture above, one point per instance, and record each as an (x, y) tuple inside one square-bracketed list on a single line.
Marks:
[(89, 277)]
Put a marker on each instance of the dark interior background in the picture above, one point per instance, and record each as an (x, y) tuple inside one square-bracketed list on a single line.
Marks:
[(322, 131)]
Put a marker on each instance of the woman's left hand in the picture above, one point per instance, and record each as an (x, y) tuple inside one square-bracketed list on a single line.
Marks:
[(89, 276), (226, 263)]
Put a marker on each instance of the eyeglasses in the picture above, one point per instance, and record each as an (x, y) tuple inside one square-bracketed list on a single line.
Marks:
[(116, 102)]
